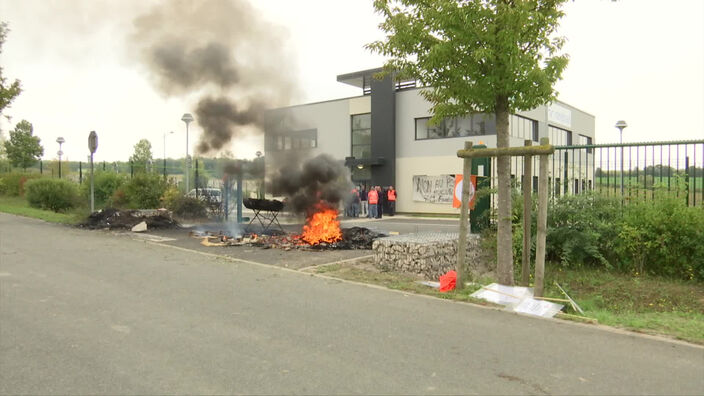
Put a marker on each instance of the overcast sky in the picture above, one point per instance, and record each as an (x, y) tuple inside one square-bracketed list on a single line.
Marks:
[(637, 60)]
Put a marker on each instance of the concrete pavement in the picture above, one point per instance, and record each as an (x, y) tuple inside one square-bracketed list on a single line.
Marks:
[(88, 312)]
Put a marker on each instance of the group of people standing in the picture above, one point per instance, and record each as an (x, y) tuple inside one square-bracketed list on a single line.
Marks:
[(372, 203)]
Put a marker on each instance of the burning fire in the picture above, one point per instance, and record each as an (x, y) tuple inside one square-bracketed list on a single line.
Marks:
[(322, 226)]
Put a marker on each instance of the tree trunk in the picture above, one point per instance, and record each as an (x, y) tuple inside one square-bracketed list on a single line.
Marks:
[(504, 245)]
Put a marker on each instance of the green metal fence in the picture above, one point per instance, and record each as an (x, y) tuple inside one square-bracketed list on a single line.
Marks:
[(632, 171)]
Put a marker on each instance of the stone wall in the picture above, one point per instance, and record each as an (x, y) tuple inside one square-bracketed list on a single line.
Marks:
[(426, 254)]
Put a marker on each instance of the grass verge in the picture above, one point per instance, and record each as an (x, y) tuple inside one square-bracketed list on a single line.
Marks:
[(363, 271), (19, 206), (644, 304)]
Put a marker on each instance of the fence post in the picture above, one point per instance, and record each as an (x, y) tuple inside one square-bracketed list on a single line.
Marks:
[(226, 200), (464, 218), (239, 196), (527, 189), (542, 222), (80, 172), (41, 167), (131, 169), (686, 179), (195, 182)]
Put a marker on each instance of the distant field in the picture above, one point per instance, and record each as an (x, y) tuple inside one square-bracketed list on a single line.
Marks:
[(666, 183)]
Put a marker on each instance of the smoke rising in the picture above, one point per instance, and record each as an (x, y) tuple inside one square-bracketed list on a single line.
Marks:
[(223, 52), (321, 178)]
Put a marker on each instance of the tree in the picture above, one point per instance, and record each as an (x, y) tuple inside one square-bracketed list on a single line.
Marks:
[(142, 156), (23, 149), (490, 56), (2, 146), (8, 92)]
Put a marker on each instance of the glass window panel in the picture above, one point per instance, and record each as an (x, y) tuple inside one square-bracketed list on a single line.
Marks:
[(361, 121), (534, 128), (362, 136), (421, 128), (436, 131), (453, 127), (483, 124)]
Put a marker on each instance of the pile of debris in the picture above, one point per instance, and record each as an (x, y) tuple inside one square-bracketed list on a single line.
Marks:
[(352, 238), (115, 219)]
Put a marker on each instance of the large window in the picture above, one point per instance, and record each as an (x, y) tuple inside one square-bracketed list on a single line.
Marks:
[(585, 141), (296, 140), (472, 125), (523, 128), (559, 136), (362, 135), (361, 144)]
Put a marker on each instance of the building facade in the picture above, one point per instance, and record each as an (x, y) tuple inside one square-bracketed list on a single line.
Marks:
[(385, 139)]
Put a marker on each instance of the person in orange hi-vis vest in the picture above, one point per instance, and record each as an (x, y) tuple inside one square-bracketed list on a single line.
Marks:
[(373, 198), (391, 198)]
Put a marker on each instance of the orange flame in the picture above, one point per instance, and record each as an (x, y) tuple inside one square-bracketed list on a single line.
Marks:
[(322, 226)]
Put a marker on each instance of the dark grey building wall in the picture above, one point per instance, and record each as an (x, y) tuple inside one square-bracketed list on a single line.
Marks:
[(383, 104)]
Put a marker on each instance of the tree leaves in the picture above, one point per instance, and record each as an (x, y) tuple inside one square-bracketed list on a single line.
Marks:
[(23, 149), (8, 92), (470, 51)]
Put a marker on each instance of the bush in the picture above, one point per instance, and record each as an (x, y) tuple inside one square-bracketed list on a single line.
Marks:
[(104, 186), (118, 199), (188, 207), (665, 237), (13, 184), (144, 190), (171, 195), (581, 229), (52, 194)]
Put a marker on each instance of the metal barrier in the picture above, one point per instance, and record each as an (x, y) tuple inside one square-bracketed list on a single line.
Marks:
[(632, 171)]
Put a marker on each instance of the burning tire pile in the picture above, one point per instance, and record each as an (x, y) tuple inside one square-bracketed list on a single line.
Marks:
[(350, 239)]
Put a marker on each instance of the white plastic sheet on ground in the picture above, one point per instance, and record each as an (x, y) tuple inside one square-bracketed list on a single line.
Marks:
[(517, 299)]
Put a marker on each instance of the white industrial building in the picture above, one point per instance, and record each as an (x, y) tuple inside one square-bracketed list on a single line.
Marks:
[(384, 137)]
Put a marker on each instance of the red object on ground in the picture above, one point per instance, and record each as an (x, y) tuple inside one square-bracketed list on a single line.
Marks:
[(448, 281)]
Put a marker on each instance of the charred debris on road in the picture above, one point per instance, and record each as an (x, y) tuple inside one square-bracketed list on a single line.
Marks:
[(116, 219), (352, 238)]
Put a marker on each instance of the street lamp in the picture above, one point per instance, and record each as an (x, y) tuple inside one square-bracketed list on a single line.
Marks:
[(187, 118), (165, 133), (60, 141), (620, 125)]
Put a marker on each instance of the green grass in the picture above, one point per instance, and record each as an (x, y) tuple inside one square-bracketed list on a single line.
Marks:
[(19, 206), (644, 304), (397, 281), (672, 183)]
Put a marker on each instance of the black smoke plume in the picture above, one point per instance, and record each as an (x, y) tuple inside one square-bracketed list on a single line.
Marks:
[(319, 179), (223, 52)]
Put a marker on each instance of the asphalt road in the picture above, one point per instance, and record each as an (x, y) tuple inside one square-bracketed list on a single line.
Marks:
[(86, 312)]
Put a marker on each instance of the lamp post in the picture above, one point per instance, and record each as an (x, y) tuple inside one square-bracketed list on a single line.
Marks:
[(620, 125), (60, 141), (187, 118), (166, 133)]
